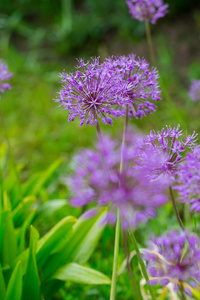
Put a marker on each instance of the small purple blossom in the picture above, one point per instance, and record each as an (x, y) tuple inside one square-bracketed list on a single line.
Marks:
[(189, 180), (4, 76), (173, 144), (194, 92), (97, 179), (139, 82), (147, 10), (174, 258), (90, 93)]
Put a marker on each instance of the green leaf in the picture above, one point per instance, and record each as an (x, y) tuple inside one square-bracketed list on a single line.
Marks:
[(33, 187), (6, 202), (80, 274), (87, 245), (86, 234), (2, 285), (14, 289), (1, 190), (49, 207), (23, 229), (56, 238), (21, 211), (31, 287), (9, 239)]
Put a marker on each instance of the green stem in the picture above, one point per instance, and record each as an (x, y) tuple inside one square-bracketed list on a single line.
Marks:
[(124, 139), (175, 112), (195, 224), (175, 208), (150, 44), (136, 290), (99, 132), (183, 297), (117, 229), (11, 155), (142, 265), (115, 259)]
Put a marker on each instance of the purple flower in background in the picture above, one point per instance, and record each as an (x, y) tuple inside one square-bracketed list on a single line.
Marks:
[(194, 92), (139, 82), (189, 180), (174, 258), (147, 10), (4, 76), (91, 93), (97, 179), (173, 145)]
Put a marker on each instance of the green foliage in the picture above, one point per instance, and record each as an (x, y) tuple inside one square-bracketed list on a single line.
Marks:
[(14, 289), (43, 267), (79, 274), (64, 24), (31, 284)]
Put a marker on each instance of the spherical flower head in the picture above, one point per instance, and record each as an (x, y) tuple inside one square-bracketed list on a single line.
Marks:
[(90, 93), (174, 258), (194, 92), (139, 82), (4, 76), (189, 180), (98, 179), (174, 144), (147, 10)]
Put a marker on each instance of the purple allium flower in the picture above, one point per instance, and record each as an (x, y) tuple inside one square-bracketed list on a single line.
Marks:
[(189, 180), (173, 144), (97, 178), (147, 10), (194, 92), (139, 82), (175, 258), (4, 76), (90, 93)]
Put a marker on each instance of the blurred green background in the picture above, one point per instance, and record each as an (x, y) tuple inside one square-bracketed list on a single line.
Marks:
[(38, 39)]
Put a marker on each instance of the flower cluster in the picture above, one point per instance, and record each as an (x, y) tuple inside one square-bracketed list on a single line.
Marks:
[(4, 76), (173, 145), (175, 258), (189, 180), (98, 178), (91, 92), (140, 84), (147, 10), (194, 92), (104, 90)]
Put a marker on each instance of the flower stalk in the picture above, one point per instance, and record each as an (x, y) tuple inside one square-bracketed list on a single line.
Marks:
[(135, 287), (115, 259), (141, 262), (150, 44), (183, 297), (117, 229), (175, 208)]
